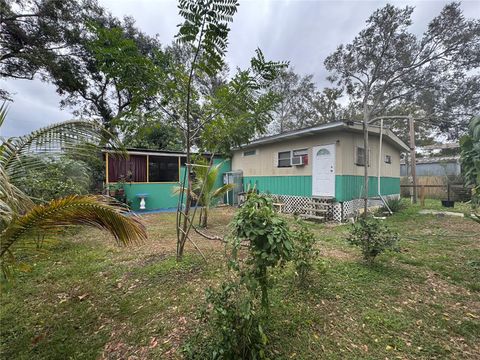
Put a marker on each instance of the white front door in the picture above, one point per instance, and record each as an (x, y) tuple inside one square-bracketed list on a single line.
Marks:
[(323, 171)]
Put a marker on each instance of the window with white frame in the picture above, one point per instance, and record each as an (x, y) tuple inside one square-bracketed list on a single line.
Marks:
[(388, 159), (285, 159), (250, 152)]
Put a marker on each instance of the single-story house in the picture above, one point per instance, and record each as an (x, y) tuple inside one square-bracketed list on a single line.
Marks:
[(434, 166), (150, 175), (324, 163)]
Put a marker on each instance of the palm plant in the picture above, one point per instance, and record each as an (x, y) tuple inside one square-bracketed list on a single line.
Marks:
[(22, 222), (205, 178), (204, 191)]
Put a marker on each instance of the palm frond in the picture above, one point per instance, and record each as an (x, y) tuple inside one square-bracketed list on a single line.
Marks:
[(3, 112), (96, 211), (79, 136)]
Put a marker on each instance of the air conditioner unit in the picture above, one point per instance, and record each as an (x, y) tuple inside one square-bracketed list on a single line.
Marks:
[(297, 161)]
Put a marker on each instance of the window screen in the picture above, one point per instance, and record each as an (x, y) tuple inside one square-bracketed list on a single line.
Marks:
[(163, 169), (284, 159), (360, 158)]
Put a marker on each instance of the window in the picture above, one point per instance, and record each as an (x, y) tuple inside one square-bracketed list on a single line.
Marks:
[(130, 169), (284, 159), (360, 158), (163, 169), (388, 159), (250, 152)]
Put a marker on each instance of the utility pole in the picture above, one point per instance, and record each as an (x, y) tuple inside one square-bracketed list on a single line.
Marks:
[(413, 160)]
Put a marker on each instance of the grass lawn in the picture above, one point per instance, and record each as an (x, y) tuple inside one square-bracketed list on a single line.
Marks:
[(86, 298)]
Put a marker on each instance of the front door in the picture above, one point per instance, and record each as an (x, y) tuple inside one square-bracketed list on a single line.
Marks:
[(323, 171)]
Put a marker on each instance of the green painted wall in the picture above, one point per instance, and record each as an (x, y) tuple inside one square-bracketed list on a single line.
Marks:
[(281, 185), (160, 196), (347, 187)]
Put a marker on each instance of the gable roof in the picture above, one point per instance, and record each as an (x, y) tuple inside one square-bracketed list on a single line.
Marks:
[(333, 126)]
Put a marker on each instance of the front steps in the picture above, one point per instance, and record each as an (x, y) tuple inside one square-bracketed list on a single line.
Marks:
[(318, 210)]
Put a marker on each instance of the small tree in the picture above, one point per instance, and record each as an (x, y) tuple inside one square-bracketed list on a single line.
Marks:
[(205, 185), (304, 254), (373, 237)]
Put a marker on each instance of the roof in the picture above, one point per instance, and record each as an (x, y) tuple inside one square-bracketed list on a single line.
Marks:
[(435, 160), (333, 126), (137, 151), (440, 146)]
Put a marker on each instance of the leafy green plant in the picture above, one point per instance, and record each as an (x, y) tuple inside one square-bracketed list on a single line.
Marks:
[(58, 177), (304, 254), (204, 187), (236, 333), (373, 237), (268, 238), (470, 159), (22, 222), (235, 312), (395, 205)]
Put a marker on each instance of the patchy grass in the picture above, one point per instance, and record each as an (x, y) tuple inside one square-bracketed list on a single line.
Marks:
[(86, 298)]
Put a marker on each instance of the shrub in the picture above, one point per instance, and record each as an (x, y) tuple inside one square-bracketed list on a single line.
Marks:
[(268, 238), (235, 311), (395, 205), (235, 323), (373, 237), (304, 254)]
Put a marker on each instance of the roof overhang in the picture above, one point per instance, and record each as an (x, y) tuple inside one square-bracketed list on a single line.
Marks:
[(330, 127)]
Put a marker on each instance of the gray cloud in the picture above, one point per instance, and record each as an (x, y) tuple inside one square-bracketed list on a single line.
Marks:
[(302, 32)]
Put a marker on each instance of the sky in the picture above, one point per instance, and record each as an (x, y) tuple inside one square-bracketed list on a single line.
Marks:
[(303, 32)]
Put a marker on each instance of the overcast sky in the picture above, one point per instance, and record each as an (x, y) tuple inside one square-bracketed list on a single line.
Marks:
[(303, 32)]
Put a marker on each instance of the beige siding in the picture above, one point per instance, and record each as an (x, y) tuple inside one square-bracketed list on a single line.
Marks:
[(264, 162)]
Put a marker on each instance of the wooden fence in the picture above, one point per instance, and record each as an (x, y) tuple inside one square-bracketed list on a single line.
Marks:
[(435, 187)]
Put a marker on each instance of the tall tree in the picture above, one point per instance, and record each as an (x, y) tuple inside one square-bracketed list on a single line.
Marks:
[(386, 65), (74, 44), (300, 103), (240, 104)]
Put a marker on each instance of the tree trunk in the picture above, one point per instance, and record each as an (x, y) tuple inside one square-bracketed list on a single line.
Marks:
[(366, 119), (183, 233), (204, 222)]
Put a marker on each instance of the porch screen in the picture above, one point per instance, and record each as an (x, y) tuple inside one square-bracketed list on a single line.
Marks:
[(163, 169), (131, 169)]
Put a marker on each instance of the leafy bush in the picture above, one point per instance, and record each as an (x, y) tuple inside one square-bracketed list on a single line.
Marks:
[(304, 254), (373, 237), (268, 238), (56, 178), (236, 331), (235, 311)]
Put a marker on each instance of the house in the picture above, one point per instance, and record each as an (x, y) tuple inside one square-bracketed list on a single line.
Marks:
[(148, 177), (322, 164), (434, 166)]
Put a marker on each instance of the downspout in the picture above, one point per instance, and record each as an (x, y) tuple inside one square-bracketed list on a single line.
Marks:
[(379, 167)]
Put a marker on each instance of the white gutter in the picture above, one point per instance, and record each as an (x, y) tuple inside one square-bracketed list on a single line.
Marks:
[(380, 166)]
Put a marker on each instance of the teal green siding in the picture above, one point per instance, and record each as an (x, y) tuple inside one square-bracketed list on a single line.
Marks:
[(281, 185), (160, 196), (347, 187)]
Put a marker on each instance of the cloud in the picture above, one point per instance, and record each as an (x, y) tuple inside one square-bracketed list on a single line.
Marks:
[(302, 32)]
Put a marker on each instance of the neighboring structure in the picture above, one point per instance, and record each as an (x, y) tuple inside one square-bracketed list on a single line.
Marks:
[(434, 166), (149, 175), (323, 163)]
